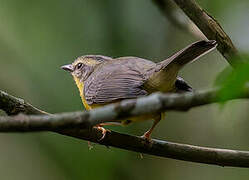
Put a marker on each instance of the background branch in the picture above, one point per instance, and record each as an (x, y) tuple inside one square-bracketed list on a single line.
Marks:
[(63, 123), (178, 18), (209, 26)]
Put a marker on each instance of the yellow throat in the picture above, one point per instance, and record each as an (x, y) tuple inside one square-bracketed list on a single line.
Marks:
[(80, 86)]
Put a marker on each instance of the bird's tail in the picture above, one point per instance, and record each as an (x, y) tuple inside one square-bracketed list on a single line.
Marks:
[(164, 76), (189, 54)]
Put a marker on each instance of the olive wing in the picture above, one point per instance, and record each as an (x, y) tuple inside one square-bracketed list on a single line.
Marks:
[(114, 81)]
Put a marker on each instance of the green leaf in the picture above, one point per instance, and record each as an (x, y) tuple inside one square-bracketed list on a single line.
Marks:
[(232, 81)]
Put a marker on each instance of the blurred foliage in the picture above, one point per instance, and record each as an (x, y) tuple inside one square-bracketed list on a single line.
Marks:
[(37, 37), (233, 81)]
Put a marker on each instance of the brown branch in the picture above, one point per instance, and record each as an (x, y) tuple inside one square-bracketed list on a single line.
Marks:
[(78, 120), (13, 105), (125, 109), (178, 18), (221, 157), (209, 26)]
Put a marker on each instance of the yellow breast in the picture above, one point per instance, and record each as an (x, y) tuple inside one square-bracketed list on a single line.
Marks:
[(80, 86)]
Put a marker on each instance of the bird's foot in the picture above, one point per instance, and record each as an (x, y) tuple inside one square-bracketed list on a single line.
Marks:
[(104, 131), (147, 136)]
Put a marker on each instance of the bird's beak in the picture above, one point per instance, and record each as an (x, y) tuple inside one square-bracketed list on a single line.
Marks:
[(67, 67)]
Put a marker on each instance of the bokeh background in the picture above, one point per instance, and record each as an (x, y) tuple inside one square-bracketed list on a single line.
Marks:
[(37, 37)]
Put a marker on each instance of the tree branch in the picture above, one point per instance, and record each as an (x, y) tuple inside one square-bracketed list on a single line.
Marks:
[(13, 105), (221, 157), (69, 123), (78, 124), (178, 18), (209, 26), (125, 109)]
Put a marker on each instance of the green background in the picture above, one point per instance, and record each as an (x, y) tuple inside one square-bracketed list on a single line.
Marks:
[(37, 37)]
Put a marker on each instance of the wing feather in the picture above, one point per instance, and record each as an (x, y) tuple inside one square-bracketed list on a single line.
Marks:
[(122, 79)]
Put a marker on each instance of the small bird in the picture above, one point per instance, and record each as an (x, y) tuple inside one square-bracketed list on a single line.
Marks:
[(102, 80)]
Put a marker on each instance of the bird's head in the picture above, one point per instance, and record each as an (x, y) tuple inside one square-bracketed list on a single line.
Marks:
[(83, 66)]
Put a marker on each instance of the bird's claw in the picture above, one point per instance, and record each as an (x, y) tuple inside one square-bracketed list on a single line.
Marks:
[(104, 131)]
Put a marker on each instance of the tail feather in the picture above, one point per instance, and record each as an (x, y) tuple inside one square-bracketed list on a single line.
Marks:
[(189, 54), (165, 74)]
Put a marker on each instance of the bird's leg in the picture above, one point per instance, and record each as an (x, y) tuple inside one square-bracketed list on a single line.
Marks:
[(147, 134)]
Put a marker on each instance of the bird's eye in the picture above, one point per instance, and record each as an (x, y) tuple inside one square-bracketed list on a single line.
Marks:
[(79, 65)]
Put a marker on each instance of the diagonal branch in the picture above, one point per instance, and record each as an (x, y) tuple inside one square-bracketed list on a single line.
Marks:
[(178, 18), (209, 26), (64, 123)]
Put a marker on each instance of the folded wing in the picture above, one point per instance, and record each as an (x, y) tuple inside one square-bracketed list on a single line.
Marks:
[(123, 78)]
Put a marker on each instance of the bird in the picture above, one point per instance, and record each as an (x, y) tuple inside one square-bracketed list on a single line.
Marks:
[(103, 80)]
